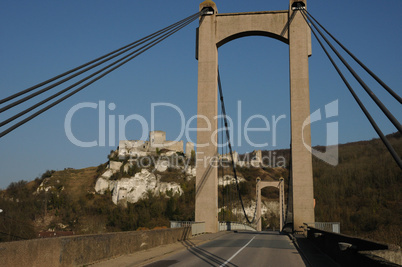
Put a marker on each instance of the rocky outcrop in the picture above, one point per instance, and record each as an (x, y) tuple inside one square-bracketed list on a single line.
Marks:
[(102, 185), (229, 179), (267, 208), (115, 166), (48, 185), (134, 188), (191, 171)]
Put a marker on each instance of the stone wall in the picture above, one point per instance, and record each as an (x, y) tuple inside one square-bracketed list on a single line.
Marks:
[(133, 148), (173, 145), (157, 137), (85, 249), (140, 148)]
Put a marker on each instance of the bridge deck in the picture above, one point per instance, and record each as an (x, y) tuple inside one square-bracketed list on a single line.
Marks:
[(220, 249)]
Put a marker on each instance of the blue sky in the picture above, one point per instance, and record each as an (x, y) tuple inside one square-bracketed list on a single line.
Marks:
[(41, 39)]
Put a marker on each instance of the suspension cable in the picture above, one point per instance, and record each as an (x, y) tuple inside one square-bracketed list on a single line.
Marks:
[(222, 174), (129, 46), (91, 67), (143, 49), (228, 189), (361, 105), (231, 151), (289, 202), (386, 87), (357, 77), (81, 81)]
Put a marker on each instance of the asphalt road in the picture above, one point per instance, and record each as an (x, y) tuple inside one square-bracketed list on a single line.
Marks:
[(238, 249)]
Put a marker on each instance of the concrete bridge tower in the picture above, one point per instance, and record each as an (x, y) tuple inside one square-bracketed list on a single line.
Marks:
[(214, 31)]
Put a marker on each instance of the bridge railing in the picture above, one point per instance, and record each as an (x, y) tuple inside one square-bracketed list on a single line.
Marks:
[(334, 227), (179, 224), (196, 227), (228, 226), (199, 227)]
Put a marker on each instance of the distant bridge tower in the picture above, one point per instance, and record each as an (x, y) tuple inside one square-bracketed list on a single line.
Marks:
[(216, 30)]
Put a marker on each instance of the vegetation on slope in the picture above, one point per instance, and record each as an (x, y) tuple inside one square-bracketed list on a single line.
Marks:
[(363, 193), (72, 205)]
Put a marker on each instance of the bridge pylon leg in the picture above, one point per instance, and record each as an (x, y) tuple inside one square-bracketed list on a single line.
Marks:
[(206, 203), (302, 171), (212, 33)]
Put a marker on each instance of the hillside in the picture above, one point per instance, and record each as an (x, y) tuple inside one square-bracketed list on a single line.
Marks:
[(67, 201), (363, 193)]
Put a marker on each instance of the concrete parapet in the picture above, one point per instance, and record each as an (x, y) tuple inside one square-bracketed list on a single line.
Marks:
[(348, 250), (85, 249)]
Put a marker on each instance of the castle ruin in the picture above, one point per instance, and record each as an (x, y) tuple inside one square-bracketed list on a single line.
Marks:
[(157, 143)]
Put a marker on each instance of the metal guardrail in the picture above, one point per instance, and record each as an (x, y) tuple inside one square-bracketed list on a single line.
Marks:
[(196, 227), (334, 227), (199, 227), (228, 226), (179, 224)]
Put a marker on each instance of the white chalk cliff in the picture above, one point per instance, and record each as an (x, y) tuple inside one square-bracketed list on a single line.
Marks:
[(134, 188)]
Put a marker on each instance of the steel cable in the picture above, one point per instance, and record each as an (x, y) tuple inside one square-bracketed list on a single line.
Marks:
[(231, 152), (129, 46), (145, 48), (75, 84), (361, 105), (386, 87), (357, 77), (89, 68)]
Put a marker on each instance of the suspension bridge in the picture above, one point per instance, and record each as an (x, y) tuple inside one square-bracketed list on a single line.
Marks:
[(294, 27)]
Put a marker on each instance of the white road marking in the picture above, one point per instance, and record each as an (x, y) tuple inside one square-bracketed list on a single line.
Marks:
[(234, 255)]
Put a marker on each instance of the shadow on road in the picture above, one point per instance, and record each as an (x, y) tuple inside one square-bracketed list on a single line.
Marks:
[(205, 255)]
